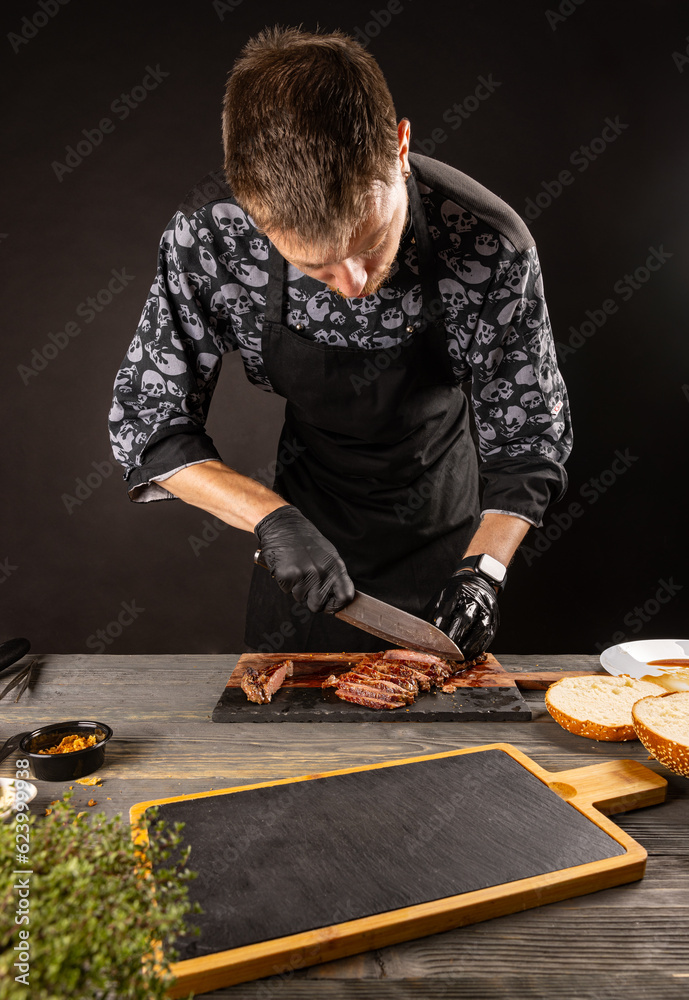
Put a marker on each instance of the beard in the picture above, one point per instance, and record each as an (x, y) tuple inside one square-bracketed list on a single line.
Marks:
[(374, 282)]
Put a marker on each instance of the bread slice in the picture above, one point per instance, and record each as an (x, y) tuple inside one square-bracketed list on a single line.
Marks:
[(662, 725), (599, 707)]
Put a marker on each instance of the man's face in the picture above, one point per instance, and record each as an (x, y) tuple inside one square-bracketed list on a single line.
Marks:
[(368, 258)]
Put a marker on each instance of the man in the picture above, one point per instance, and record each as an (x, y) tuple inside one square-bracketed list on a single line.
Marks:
[(364, 284)]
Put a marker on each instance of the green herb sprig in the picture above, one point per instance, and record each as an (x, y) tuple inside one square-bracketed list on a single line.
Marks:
[(95, 915)]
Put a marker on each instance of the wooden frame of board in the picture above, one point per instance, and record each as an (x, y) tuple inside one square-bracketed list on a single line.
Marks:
[(608, 787)]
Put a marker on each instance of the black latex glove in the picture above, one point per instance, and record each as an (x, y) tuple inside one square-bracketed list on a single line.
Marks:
[(303, 562), (466, 610)]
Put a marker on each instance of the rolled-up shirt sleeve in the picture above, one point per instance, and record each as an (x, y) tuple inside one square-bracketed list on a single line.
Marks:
[(164, 386), (519, 397)]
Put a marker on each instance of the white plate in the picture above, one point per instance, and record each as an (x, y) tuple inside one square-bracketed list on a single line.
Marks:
[(632, 657), (6, 783)]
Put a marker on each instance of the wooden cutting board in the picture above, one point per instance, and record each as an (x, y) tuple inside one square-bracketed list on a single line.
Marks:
[(310, 869), (483, 693)]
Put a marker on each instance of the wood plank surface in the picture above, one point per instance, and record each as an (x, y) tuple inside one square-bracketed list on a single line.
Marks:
[(546, 985), (622, 942), (181, 688)]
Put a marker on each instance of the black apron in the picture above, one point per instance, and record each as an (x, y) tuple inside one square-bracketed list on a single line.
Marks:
[(377, 452)]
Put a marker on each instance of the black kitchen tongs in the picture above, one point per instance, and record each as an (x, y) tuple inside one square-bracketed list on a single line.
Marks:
[(10, 652)]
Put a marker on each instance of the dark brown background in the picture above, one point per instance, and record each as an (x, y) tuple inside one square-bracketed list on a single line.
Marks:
[(65, 574)]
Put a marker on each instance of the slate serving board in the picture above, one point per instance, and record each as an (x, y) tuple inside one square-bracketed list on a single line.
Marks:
[(486, 692), (309, 869)]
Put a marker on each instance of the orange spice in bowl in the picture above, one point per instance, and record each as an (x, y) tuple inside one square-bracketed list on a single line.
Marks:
[(70, 744)]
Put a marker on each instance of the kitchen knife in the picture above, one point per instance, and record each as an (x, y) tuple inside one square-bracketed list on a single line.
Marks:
[(392, 624)]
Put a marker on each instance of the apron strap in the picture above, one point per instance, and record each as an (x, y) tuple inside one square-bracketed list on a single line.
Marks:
[(276, 286), (432, 305), (422, 236)]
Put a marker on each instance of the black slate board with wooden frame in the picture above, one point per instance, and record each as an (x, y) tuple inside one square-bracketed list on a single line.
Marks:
[(306, 870), (482, 693)]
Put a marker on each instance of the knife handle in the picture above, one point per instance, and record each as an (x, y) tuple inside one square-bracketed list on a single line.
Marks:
[(13, 650), (259, 560)]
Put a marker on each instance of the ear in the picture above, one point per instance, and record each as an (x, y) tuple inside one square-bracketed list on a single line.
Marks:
[(404, 135)]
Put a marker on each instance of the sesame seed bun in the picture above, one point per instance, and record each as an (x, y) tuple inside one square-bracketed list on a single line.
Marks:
[(598, 707), (662, 725)]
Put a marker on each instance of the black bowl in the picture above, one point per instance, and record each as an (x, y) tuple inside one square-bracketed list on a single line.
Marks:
[(65, 766)]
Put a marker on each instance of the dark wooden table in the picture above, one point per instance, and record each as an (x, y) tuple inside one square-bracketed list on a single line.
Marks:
[(618, 943)]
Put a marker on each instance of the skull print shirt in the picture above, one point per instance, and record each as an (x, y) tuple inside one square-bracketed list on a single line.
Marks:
[(208, 298)]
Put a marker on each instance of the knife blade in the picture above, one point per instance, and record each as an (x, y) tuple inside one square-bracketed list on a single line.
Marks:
[(397, 626), (392, 624)]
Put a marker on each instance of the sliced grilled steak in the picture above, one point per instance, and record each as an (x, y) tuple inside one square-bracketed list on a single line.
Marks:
[(396, 667), (354, 686), (383, 684), (435, 668), (380, 671), (394, 678), (481, 658), (449, 687), (370, 697), (260, 686), (370, 679), (414, 656)]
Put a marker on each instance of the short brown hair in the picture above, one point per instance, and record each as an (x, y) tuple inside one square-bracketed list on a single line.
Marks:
[(309, 126)]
